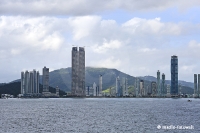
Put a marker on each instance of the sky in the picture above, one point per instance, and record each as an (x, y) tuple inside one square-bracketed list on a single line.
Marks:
[(136, 37)]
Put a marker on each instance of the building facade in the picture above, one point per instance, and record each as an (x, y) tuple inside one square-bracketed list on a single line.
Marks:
[(78, 71), (174, 75)]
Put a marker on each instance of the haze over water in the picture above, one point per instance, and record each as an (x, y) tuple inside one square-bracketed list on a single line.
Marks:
[(109, 115)]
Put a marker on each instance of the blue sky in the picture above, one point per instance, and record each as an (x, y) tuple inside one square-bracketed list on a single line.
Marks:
[(135, 37)]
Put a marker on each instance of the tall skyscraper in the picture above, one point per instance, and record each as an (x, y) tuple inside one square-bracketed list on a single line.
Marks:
[(149, 90), (142, 88), (195, 85), (95, 89), (153, 88), (125, 86), (45, 79), (100, 85), (78, 71), (158, 84), (198, 85), (22, 83), (168, 90), (174, 75), (118, 87), (163, 85), (28, 83), (38, 82), (31, 82)]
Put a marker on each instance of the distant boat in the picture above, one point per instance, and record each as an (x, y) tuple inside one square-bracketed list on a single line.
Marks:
[(189, 100)]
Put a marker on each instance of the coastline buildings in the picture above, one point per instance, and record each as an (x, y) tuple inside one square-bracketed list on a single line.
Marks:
[(30, 82), (78, 71), (174, 75)]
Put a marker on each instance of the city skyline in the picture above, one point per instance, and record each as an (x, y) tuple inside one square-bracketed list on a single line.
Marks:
[(136, 38)]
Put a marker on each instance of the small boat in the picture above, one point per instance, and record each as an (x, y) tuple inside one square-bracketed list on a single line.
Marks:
[(189, 100)]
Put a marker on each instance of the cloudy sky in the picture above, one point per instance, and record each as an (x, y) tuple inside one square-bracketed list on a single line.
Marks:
[(136, 37)]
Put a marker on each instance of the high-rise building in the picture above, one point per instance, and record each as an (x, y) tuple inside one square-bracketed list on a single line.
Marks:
[(22, 83), (57, 91), (149, 90), (179, 89), (118, 87), (31, 83), (195, 85), (125, 86), (154, 89), (78, 71), (100, 85), (168, 90), (37, 82), (142, 88), (198, 85), (28, 82), (174, 75), (163, 85), (158, 84), (95, 89), (45, 79)]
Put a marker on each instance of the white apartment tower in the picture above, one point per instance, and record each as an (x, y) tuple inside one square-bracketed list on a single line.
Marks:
[(30, 82), (95, 89)]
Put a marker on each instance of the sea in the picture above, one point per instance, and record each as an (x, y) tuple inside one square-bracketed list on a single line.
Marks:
[(99, 115)]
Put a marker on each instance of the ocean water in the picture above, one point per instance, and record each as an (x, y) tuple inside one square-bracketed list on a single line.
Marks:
[(98, 115)]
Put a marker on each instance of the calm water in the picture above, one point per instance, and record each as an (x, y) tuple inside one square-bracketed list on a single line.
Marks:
[(98, 115)]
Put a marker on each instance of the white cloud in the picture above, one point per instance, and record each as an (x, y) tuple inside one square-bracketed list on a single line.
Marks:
[(110, 62), (194, 44), (86, 7), (112, 44), (137, 47), (151, 26), (83, 26)]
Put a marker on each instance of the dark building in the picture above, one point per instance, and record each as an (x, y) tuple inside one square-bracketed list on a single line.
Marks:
[(78, 71), (174, 75), (45, 79), (163, 92)]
